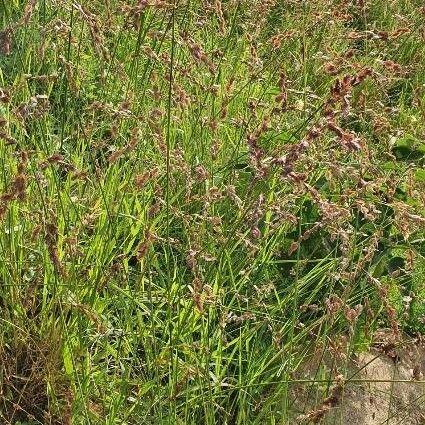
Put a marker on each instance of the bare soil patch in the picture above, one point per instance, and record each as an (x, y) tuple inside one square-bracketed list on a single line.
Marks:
[(381, 388)]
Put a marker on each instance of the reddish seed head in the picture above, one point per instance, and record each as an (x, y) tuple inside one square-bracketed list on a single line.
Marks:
[(5, 42), (330, 68), (255, 233)]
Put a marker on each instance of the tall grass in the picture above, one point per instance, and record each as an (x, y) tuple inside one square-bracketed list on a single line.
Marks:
[(197, 198)]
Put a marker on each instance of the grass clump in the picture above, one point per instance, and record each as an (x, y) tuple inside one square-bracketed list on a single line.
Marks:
[(197, 197)]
